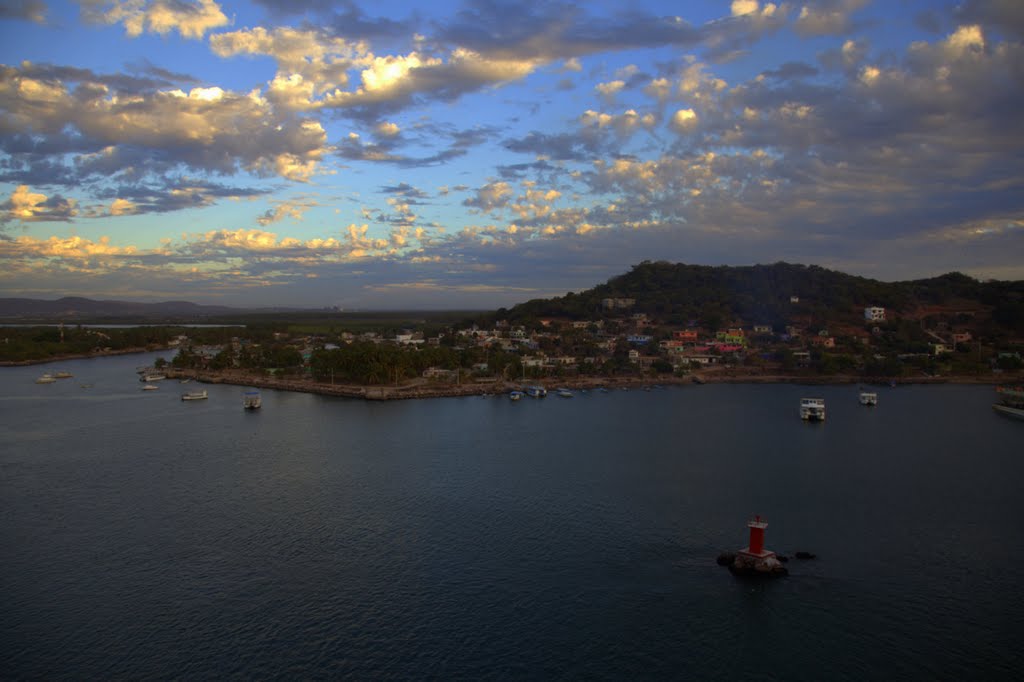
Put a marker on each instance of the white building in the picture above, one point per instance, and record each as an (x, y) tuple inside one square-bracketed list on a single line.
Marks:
[(874, 314)]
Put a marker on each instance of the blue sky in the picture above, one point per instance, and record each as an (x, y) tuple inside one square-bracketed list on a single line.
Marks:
[(478, 154)]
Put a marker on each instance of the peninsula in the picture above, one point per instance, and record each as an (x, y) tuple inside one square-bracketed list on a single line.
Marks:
[(660, 323)]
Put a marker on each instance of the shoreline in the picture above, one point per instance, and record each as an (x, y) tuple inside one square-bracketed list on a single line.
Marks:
[(421, 388), (418, 388)]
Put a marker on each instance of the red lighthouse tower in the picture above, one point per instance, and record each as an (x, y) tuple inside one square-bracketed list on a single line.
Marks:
[(755, 549)]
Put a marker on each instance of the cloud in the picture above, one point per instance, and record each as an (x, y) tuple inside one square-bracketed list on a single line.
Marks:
[(206, 129), (828, 17), (27, 206), (192, 19), (1005, 17), (293, 209), (26, 10)]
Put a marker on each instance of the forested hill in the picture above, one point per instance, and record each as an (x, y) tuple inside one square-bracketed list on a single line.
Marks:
[(763, 294)]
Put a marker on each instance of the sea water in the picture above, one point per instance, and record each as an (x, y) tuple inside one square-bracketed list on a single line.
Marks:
[(468, 538)]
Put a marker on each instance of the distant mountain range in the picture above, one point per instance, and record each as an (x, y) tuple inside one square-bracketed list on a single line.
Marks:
[(75, 308)]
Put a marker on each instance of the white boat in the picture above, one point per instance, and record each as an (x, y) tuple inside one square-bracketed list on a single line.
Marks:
[(194, 395), (536, 391), (812, 409), (63, 375), (1011, 401), (515, 395), (46, 379), (251, 399), (564, 393), (868, 398), (152, 377), (150, 387)]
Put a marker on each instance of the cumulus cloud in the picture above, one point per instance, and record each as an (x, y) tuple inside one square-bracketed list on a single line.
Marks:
[(192, 19), (208, 129), (25, 205)]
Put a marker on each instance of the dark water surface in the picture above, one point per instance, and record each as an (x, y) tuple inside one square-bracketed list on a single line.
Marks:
[(144, 537)]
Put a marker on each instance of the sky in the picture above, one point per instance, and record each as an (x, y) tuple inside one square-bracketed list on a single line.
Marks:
[(481, 153)]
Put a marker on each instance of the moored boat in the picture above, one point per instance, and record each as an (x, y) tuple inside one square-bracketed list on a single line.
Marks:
[(1011, 401), (515, 395), (194, 395), (868, 398), (812, 409), (536, 391), (564, 393), (46, 379), (63, 375), (152, 377), (252, 400), (150, 387)]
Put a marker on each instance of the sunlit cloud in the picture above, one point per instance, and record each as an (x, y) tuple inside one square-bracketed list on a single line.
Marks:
[(190, 18)]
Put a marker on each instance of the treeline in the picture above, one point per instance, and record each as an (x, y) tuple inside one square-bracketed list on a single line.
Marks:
[(21, 344)]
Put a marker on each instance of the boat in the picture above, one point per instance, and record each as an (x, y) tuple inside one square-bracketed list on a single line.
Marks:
[(63, 375), (515, 395), (1011, 401), (564, 393), (194, 395), (46, 379), (150, 387), (152, 377), (868, 398), (536, 391), (812, 409), (251, 399), (184, 381)]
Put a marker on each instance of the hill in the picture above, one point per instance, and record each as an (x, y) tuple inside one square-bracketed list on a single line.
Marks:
[(71, 309), (780, 294)]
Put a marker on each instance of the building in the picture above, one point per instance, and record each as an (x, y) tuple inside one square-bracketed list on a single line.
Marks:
[(613, 303), (874, 314)]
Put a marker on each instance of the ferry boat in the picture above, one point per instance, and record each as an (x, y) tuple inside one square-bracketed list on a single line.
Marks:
[(812, 409), (251, 400), (194, 395), (868, 398), (46, 379), (1011, 401)]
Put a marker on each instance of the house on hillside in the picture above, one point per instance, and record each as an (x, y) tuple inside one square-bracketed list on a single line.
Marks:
[(874, 314)]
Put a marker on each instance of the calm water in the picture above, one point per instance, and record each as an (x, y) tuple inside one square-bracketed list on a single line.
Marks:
[(479, 538)]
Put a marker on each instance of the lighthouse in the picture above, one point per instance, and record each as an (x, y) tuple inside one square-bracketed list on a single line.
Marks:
[(754, 559), (755, 549)]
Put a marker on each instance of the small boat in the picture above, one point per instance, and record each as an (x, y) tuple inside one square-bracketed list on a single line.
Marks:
[(536, 391), (1011, 401), (194, 395), (515, 395), (251, 399), (63, 375), (868, 398), (46, 379), (150, 387), (812, 409), (184, 381), (152, 377), (564, 393)]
